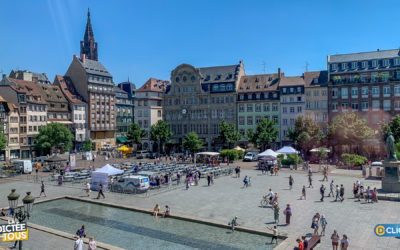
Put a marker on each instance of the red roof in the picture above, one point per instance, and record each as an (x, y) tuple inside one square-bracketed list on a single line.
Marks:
[(154, 85), (68, 89), (29, 88)]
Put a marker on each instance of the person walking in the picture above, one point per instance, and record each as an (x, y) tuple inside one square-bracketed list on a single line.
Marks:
[(322, 192), (100, 192), (303, 193), (355, 190), (310, 182), (291, 181), (314, 223), (276, 170), (288, 213), (305, 241), (245, 182), (335, 240), (234, 223), (92, 243), (78, 245), (208, 179), (42, 190), (337, 192), (325, 174), (344, 243), (361, 194), (323, 224), (375, 195), (87, 189), (274, 234), (178, 178), (276, 213), (341, 192), (331, 188)]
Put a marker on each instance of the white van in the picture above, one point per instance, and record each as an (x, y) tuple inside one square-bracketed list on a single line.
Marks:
[(25, 165), (131, 183), (250, 156)]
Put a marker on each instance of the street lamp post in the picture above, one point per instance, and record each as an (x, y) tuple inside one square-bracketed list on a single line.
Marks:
[(20, 213)]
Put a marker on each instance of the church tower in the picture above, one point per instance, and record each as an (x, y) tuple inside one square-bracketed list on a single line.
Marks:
[(88, 45)]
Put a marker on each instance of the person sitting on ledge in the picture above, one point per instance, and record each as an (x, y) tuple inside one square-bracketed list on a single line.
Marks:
[(156, 210), (167, 211), (3, 212)]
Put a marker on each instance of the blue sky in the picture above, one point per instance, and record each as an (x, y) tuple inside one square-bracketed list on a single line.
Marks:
[(143, 39)]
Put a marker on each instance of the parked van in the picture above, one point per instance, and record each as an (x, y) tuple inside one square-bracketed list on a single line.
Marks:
[(24, 165), (250, 156), (141, 154), (132, 183)]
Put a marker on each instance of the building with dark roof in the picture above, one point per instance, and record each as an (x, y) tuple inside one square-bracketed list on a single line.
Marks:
[(30, 76), (124, 114), (95, 85), (199, 99)]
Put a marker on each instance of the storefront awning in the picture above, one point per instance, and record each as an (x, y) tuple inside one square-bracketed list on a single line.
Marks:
[(122, 139)]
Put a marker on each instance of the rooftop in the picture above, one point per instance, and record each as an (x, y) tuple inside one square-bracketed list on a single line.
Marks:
[(321, 76), (94, 67), (362, 56), (291, 81), (68, 89), (154, 85), (264, 82), (29, 88)]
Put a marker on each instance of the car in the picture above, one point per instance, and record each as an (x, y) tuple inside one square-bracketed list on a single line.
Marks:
[(141, 154), (152, 155), (106, 147), (250, 156)]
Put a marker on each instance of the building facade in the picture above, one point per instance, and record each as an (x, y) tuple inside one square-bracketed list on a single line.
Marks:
[(291, 90), (129, 88), (148, 108), (258, 97), (57, 105), (316, 97), (199, 99), (124, 114), (30, 76), (95, 84), (77, 109)]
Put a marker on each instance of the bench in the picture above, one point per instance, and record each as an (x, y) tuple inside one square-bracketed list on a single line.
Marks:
[(315, 239)]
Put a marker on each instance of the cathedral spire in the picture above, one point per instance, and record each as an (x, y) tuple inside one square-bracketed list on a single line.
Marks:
[(88, 45)]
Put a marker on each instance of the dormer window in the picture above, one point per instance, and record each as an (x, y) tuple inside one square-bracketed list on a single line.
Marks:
[(218, 77), (396, 61), (275, 95), (208, 78), (315, 80), (258, 96), (284, 90), (344, 66), (258, 86), (265, 86), (364, 64), (257, 79), (248, 87), (291, 90), (270, 78), (245, 80), (374, 63), (385, 63), (353, 65), (177, 79)]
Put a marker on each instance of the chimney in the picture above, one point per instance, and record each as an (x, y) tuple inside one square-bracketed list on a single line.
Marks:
[(83, 57), (279, 73)]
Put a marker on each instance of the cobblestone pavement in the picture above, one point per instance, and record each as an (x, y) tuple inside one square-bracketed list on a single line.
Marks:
[(227, 198)]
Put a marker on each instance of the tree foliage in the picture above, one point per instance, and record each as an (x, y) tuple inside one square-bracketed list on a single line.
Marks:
[(160, 133), (265, 134), (228, 134), (291, 159), (192, 142), (135, 133), (52, 137), (306, 133), (88, 145), (230, 154), (3, 139), (354, 159), (348, 129), (392, 126)]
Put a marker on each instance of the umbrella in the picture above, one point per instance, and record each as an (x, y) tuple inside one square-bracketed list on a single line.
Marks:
[(318, 149), (239, 148), (123, 148)]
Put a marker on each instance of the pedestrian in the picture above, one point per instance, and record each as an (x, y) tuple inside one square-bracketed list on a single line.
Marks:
[(288, 213), (303, 193), (291, 181), (322, 192), (310, 170), (355, 190), (305, 241), (331, 188), (187, 182), (314, 223), (271, 170), (245, 181), (368, 194), (167, 211), (3, 212), (323, 224), (78, 245), (276, 170), (92, 243), (310, 182), (300, 245), (335, 240), (196, 178), (178, 178), (361, 194), (100, 192), (212, 178), (88, 189), (344, 243), (375, 195), (325, 174), (341, 192), (208, 179), (337, 192), (234, 223), (42, 190), (276, 213), (238, 172), (81, 232), (274, 234), (156, 210)]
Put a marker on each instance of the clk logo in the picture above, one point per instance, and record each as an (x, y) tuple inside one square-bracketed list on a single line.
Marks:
[(380, 230), (387, 230)]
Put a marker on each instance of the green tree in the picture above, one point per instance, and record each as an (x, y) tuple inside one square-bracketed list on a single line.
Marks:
[(228, 134), (306, 134), (348, 129), (87, 146), (160, 133), (3, 139), (392, 126), (353, 159), (192, 142), (265, 134), (52, 137), (135, 133)]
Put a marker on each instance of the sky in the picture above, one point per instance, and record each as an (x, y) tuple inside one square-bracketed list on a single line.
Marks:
[(143, 39)]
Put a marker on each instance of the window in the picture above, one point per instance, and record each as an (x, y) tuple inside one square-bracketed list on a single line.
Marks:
[(291, 90), (315, 80), (345, 93), (284, 110), (299, 109), (258, 107), (344, 66), (299, 98), (364, 64), (386, 105), (396, 105), (375, 105), (258, 96), (396, 61), (258, 119), (249, 107), (291, 109), (353, 65), (291, 121), (266, 107), (375, 91), (316, 92), (241, 120), (241, 107), (396, 90), (334, 106), (308, 93), (284, 90), (159, 113), (284, 121), (354, 106), (354, 92), (385, 63), (274, 107), (386, 91), (344, 106), (334, 67), (241, 97), (374, 63), (324, 104), (364, 92), (335, 93), (298, 89), (249, 120), (364, 106), (373, 76), (275, 119), (266, 117)]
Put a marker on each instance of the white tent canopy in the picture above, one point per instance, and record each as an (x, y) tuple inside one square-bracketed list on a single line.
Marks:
[(268, 152), (318, 149), (287, 150), (208, 153), (109, 170)]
